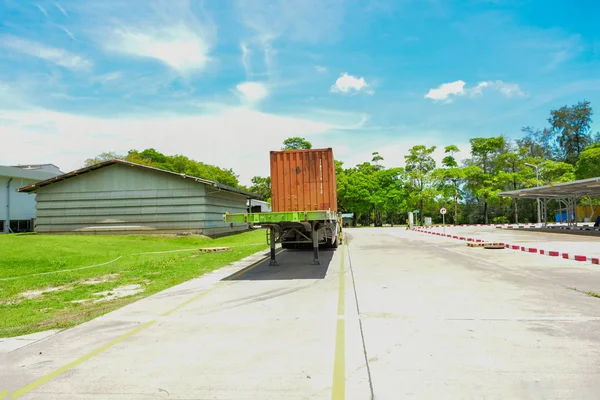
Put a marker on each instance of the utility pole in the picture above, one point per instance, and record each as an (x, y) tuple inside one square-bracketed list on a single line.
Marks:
[(537, 183)]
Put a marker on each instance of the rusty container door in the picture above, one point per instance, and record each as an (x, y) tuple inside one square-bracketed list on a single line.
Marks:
[(303, 180)]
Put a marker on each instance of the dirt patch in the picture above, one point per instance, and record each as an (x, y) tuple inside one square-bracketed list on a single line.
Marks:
[(36, 294), (99, 279), (120, 291)]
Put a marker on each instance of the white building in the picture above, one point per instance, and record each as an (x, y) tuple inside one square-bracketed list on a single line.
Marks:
[(256, 206), (17, 210)]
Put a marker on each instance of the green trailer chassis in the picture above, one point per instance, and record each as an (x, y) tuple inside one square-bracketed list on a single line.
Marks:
[(292, 228)]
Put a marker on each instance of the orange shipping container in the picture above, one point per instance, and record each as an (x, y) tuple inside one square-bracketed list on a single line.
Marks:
[(303, 180)]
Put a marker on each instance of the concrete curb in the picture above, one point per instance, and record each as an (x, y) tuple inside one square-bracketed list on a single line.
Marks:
[(533, 250)]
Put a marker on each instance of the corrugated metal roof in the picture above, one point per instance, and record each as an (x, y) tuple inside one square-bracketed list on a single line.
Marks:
[(15, 172), (59, 178), (583, 187)]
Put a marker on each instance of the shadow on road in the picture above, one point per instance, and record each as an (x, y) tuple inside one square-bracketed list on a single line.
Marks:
[(293, 264)]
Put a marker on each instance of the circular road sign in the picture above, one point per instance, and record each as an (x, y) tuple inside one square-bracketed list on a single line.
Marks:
[(443, 211)]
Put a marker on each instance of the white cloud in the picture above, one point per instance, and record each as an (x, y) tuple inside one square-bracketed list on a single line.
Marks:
[(69, 33), (108, 78), (509, 89), (178, 46), (42, 9), (348, 84), (306, 21), (445, 91), (246, 58), (252, 92), (211, 137), (62, 10), (57, 56), (320, 69)]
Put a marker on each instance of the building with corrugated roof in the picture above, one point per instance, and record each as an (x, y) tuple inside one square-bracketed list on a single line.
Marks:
[(122, 197)]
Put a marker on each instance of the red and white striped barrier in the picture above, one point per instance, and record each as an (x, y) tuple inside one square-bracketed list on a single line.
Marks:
[(534, 250), (495, 225)]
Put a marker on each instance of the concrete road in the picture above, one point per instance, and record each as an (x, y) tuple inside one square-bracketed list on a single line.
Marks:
[(437, 320)]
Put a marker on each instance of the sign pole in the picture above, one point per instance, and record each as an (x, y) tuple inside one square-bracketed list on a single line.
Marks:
[(443, 212)]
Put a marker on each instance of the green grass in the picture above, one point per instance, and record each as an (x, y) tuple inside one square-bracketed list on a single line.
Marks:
[(24, 256)]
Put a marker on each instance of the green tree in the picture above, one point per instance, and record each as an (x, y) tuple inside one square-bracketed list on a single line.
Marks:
[(538, 142), (102, 157), (296, 143), (419, 166), (571, 126), (450, 176), (552, 172), (513, 173), (183, 165), (262, 187), (483, 180), (360, 186), (376, 159), (588, 164)]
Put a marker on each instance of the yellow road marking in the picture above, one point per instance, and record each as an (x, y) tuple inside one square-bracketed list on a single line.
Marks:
[(75, 363), (339, 364), (64, 368)]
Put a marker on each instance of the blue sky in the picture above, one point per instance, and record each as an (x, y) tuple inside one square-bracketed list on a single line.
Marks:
[(225, 81)]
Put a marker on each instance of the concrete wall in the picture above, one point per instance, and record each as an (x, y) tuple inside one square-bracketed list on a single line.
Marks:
[(122, 199)]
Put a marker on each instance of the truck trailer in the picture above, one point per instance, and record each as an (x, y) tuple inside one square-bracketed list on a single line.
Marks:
[(304, 203)]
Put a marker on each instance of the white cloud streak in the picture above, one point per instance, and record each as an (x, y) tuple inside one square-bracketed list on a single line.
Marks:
[(42, 10), (447, 91), (320, 69), (61, 9), (177, 46), (306, 21), (68, 32), (55, 55), (246, 54), (350, 84)]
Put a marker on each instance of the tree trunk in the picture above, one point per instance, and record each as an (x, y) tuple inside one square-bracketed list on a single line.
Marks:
[(455, 206), (515, 200), (485, 210)]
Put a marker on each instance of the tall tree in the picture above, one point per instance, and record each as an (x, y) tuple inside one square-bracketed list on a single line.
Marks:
[(571, 125), (452, 173), (376, 159), (513, 173), (483, 180), (538, 142), (419, 165), (296, 143)]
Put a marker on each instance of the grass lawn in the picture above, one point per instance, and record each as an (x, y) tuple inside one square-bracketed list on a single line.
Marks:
[(36, 296)]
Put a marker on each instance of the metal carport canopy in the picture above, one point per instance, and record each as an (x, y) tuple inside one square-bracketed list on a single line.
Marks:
[(580, 188)]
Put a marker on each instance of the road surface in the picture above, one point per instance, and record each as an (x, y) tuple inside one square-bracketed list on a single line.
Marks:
[(438, 320)]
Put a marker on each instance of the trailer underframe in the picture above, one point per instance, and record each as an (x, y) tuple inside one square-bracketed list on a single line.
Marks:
[(292, 229)]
